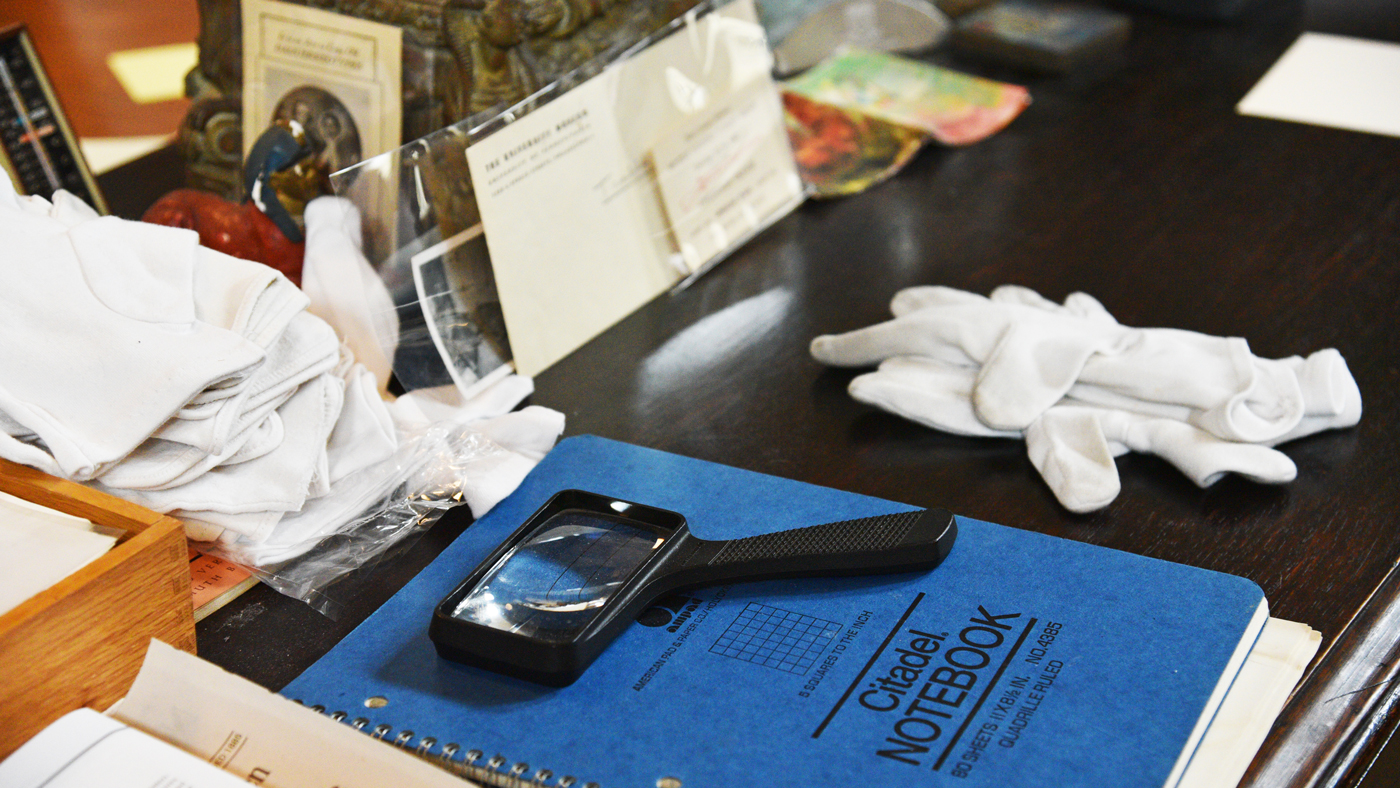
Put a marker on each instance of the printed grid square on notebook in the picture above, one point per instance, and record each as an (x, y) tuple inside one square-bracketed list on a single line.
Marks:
[(776, 638)]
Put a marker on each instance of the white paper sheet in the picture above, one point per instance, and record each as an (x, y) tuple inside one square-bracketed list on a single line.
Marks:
[(1336, 81), (83, 748), (242, 728), (603, 198), (40, 547), (1256, 698)]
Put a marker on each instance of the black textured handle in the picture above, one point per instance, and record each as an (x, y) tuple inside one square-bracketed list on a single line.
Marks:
[(900, 542), (847, 536)]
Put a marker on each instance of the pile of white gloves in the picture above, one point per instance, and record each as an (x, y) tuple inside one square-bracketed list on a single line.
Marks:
[(199, 384), (1081, 389)]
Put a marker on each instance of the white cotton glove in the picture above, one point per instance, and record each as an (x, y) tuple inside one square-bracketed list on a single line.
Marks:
[(419, 408), (482, 463), (343, 287), (103, 339), (232, 429), (280, 481), (364, 435), (483, 470), (1331, 398), (1030, 353), (928, 391), (307, 349), (1073, 442), (524, 436), (1073, 447)]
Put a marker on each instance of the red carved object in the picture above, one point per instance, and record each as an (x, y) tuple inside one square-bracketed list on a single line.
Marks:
[(237, 229)]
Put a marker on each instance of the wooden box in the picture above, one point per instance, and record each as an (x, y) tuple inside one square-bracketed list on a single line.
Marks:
[(81, 642)]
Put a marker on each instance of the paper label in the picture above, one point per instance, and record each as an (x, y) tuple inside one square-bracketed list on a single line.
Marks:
[(721, 175), (306, 64)]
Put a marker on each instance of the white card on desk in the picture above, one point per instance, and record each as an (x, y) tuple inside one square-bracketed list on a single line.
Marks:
[(1329, 80)]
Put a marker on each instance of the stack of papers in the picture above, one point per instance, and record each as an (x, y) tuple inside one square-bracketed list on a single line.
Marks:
[(1252, 704)]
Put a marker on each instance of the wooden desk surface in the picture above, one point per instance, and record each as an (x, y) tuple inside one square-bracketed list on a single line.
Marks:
[(1136, 183)]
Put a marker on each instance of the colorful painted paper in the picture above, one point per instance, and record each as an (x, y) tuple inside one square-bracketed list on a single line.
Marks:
[(952, 107), (841, 151)]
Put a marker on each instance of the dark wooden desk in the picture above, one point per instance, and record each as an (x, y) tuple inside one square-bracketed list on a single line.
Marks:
[(1136, 183)]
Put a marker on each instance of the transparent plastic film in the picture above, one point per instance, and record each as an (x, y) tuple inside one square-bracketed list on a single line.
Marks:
[(316, 551), (514, 236), (422, 237)]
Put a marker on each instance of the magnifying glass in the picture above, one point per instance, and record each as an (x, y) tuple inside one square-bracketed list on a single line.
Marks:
[(547, 602)]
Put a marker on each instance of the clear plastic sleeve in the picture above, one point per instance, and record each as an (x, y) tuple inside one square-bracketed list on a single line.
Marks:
[(366, 515), (657, 158), (698, 161)]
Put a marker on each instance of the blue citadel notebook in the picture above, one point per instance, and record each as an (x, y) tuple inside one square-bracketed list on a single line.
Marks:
[(1024, 660)]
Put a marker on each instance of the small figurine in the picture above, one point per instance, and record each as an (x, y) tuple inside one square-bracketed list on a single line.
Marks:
[(278, 150), (240, 230), (263, 228), (485, 36), (312, 135)]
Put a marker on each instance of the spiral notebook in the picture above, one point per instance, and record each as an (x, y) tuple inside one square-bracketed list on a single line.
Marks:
[(1023, 660)]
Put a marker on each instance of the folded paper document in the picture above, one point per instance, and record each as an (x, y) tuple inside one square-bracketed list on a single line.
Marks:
[(186, 722)]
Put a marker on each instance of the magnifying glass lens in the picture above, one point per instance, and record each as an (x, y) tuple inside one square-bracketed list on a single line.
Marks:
[(556, 580)]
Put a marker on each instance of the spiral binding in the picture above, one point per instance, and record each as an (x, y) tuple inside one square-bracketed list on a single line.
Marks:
[(496, 771)]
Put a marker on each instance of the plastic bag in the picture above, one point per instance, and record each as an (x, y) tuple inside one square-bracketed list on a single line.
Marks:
[(396, 501)]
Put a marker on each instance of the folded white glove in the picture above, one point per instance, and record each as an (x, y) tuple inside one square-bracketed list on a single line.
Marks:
[(419, 408), (933, 393), (279, 481), (364, 434), (1029, 356), (1073, 448), (243, 426), (306, 349), (1072, 445), (343, 287), (1072, 442), (199, 384), (103, 342), (508, 445)]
